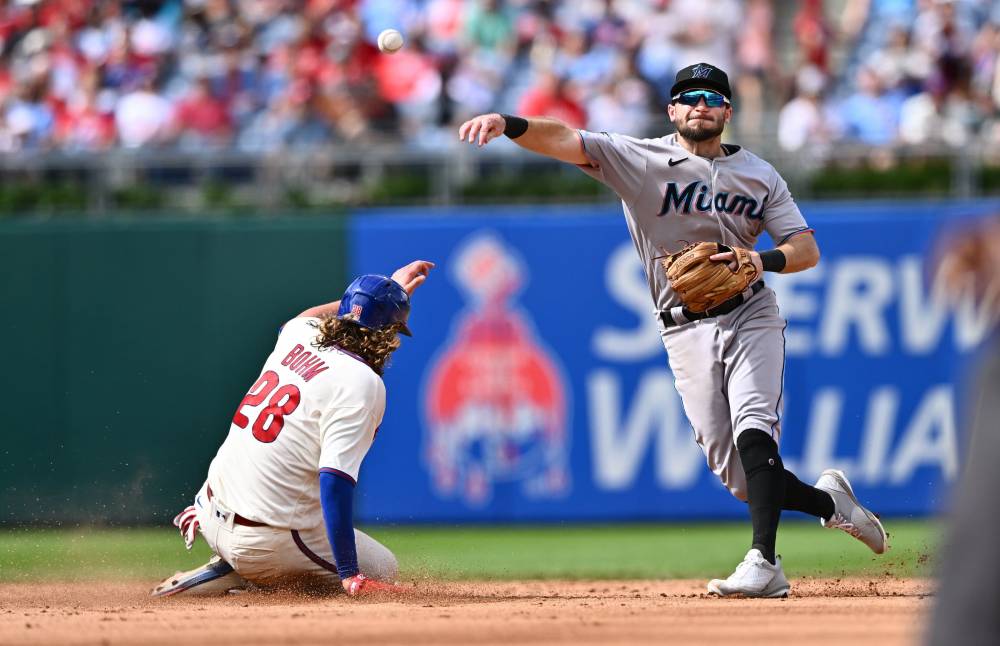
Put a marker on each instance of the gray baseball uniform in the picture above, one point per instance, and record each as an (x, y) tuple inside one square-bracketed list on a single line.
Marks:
[(728, 369)]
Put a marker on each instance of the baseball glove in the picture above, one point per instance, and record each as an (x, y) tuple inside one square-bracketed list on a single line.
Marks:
[(703, 284)]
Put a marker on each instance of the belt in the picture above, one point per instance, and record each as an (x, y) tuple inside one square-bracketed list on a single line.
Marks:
[(680, 315), (239, 520)]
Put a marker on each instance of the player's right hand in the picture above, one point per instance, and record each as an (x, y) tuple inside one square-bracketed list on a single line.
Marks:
[(361, 586), (482, 129), (413, 275)]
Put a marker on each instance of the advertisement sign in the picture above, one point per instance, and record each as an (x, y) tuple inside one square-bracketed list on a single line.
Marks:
[(536, 386)]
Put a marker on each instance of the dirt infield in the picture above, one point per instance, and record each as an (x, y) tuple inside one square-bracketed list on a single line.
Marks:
[(821, 611)]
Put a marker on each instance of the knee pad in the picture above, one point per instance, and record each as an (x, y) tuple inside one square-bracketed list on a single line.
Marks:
[(758, 452)]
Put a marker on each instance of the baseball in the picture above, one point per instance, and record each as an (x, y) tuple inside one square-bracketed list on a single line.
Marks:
[(390, 41)]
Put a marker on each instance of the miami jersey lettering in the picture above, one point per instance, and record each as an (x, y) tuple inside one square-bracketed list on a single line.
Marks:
[(672, 197)]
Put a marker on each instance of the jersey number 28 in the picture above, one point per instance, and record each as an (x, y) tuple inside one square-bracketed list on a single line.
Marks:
[(270, 420)]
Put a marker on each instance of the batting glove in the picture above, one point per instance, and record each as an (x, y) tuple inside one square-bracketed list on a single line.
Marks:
[(187, 522), (359, 585)]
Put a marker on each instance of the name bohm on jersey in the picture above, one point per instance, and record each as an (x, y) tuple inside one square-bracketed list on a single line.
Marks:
[(696, 194), (305, 364)]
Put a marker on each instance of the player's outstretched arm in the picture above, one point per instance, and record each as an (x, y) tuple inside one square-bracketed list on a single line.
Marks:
[(543, 135)]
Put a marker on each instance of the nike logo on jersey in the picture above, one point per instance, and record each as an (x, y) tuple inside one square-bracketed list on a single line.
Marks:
[(671, 162), (696, 194)]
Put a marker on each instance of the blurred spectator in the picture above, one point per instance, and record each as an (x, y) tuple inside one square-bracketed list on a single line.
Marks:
[(621, 106), (871, 114), (144, 116), (124, 68), (87, 122), (656, 58), (552, 96), (580, 62), (805, 121), (943, 28), (489, 26), (30, 121), (984, 59), (240, 84), (944, 113), (813, 35), (898, 64), (346, 115), (705, 31), (290, 120), (203, 119), (756, 65), (443, 25), (474, 85)]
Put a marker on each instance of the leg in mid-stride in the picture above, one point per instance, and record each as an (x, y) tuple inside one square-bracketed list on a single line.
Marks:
[(739, 431), (832, 500)]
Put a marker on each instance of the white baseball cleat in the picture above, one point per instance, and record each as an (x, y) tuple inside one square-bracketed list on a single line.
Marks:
[(214, 578), (754, 577), (849, 515)]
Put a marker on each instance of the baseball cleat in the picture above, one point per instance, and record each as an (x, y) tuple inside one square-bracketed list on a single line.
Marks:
[(849, 515), (214, 578), (754, 577)]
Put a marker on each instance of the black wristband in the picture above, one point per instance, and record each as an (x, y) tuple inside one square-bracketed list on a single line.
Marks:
[(515, 126), (773, 260)]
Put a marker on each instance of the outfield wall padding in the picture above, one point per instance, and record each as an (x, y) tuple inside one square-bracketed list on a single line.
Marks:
[(125, 346)]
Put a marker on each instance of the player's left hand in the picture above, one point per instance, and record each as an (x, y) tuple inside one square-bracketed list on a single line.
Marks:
[(187, 522), (412, 275), (730, 257), (361, 586)]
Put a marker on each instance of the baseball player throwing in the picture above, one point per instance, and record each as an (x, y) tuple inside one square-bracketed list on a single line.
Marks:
[(278, 501), (719, 323)]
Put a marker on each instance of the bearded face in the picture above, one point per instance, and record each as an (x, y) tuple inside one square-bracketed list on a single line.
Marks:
[(698, 122)]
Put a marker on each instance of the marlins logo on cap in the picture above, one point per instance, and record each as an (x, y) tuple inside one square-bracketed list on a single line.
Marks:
[(701, 71)]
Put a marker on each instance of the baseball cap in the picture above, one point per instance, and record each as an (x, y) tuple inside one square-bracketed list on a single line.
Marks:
[(704, 77), (375, 301)]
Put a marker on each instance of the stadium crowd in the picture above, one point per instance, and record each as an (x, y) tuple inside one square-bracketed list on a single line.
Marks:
[(264, 75)]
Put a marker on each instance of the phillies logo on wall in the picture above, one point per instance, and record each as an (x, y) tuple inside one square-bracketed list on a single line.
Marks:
[(495, 400)]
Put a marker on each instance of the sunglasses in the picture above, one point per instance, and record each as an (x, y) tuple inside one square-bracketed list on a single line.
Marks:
[(692, 97)]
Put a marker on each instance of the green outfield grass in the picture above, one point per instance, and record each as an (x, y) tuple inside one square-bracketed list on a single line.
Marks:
[(510, 552)]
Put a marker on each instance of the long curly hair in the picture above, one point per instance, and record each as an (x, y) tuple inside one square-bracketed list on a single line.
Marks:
[(373, 346)]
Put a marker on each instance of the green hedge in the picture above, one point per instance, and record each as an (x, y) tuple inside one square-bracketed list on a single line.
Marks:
[(920, 177), (500, 183)]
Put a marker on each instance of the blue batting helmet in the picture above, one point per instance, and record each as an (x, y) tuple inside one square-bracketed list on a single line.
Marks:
[(374, 302)]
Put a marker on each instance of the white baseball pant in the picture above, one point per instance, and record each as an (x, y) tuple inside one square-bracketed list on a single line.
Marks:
[(269, 555)]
